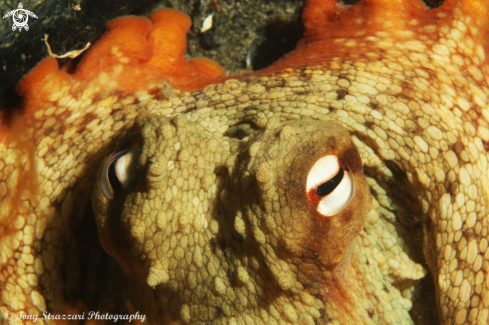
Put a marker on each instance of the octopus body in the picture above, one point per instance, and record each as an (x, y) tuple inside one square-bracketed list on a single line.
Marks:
[(319, 190)]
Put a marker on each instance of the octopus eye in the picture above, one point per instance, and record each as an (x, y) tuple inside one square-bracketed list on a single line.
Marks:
[(330, 185), (119, 170)]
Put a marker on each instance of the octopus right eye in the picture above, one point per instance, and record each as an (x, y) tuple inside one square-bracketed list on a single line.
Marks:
[(119, 170), (330, 186)]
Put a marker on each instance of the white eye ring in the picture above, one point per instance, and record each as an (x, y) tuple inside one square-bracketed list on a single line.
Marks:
[(119, 170), (330, 186)]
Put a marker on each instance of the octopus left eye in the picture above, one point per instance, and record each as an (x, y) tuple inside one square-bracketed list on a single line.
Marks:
[(119, 170), (330, 185)]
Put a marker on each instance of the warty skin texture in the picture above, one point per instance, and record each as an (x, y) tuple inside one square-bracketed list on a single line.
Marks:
[(412, 92), (221, 226)]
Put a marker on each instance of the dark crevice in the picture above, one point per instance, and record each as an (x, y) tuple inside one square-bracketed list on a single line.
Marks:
[(433, 3), (277, 39), (411, 225), (99, 281), (349, 2), (242, 129)]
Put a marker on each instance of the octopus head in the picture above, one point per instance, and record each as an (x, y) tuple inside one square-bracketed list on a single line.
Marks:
[(204, 217)]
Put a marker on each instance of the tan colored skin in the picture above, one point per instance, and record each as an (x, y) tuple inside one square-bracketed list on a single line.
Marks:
[(209, 219), (417, 112)]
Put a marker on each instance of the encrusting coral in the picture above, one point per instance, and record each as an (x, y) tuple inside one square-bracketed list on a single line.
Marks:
[(242, 200)]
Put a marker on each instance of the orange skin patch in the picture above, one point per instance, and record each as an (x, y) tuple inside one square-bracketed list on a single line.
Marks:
[(148, 50), (328, 28), (143, 53)]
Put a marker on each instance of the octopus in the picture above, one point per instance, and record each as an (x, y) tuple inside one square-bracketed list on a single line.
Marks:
[(345, 184)]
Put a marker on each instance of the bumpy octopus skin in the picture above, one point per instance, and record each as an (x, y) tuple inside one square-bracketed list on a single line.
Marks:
[(258, 249), (407, 83)]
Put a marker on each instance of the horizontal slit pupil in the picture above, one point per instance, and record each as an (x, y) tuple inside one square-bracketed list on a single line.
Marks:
[(329, 186), (113, 179)]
